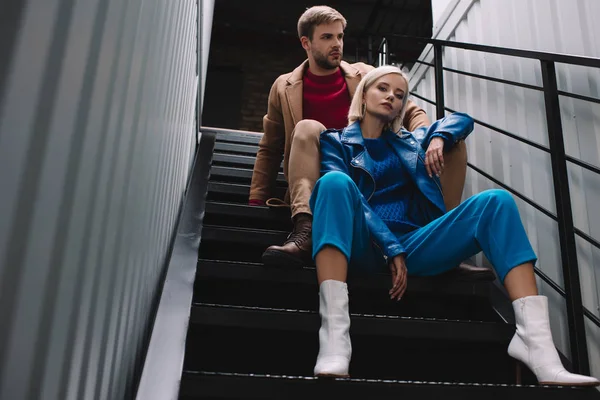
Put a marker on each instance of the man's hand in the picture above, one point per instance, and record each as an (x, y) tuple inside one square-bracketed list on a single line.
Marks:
[(256, 202), (434, 157), (399, 277)]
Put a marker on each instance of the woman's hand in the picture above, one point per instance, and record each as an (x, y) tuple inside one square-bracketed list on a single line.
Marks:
[(399, 277), (434, 157)]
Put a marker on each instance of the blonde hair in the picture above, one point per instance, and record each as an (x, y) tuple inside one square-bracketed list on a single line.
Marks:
[(318, 15), (356, 112)]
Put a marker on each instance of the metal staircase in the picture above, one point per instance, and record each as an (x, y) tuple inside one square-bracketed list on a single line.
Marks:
[(253, 329)]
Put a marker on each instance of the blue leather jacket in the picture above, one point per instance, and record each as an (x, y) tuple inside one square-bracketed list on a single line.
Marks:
[(344, 151)]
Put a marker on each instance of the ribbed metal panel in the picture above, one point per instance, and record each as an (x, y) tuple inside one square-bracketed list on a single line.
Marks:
[(97, 117), (556, 26)]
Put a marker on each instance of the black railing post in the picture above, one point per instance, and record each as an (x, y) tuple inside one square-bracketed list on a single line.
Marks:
[(370, 50), (564, 213), (440, 111)]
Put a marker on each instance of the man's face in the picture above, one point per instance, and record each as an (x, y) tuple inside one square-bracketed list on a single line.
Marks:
[(327, 45)]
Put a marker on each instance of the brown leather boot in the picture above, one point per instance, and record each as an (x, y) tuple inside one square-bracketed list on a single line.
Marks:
[(296, 251)]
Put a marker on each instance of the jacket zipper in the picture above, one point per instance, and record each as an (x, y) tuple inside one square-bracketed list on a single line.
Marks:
[(370, 176)]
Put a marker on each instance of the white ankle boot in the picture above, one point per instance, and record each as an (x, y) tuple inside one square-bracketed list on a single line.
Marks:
[(533, 345), (335, 349)]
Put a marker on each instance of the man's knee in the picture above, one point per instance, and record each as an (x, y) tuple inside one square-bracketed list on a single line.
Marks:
[(308, 131)]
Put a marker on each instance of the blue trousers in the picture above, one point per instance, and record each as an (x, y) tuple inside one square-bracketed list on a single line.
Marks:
[(488, 222)]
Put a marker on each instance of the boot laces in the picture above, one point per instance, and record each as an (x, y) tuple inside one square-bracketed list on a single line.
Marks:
[(299, 237)]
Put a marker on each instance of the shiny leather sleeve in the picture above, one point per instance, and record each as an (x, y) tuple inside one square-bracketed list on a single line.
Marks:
[(335, 158), (453, 128)]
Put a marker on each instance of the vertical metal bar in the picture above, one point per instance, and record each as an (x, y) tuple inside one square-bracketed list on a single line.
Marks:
[(386, 52), (440, 112), (564, 212), (370, 50)]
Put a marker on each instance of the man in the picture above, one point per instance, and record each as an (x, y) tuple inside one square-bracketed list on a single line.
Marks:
[(302, 104)]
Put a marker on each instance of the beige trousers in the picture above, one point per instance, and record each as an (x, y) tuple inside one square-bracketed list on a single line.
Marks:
[(302, 170)]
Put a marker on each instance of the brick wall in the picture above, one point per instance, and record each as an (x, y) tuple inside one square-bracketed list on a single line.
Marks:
[(262, 59)]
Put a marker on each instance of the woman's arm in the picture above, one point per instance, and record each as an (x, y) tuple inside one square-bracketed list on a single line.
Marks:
[(453, 128)]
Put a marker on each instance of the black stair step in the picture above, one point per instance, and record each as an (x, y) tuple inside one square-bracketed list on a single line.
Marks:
[(289, 352), (235, 192), (245, 284), (202, 385), (234, 159), (248, 243), (237, 160), (243, 215), (259, 340), (232, 135), (238, 244), (361, 324), (260, 237), (243, 175), (246, 211), (255, 272), (236, 148)]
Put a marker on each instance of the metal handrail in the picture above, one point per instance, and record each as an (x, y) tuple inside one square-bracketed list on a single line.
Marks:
[(531, 54), (538, 146), (498, 80), (564, 215), (579, 96)]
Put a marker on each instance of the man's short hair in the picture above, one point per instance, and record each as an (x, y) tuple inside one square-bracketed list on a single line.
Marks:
[(318, 15)]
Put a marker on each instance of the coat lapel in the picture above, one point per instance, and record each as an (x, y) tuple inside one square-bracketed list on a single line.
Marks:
[(352, 77), (293, 95), (293, 92)]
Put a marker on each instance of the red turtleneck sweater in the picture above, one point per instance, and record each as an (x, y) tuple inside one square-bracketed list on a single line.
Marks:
[(326, 99)]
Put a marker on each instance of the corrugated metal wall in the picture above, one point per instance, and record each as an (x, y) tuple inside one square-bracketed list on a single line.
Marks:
[(554, 26), (97, 127)]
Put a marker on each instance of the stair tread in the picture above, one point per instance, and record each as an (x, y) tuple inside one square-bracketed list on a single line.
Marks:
[(231, 147), (254, 236), (232, 385), (237, 159), (244, 210), (260, 238), (236, 172), (233, 135), (371, 324), (222, 269)]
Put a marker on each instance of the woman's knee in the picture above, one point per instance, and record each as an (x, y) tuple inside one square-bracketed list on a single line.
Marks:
[(497, 199), (308, 130), (335, 189), (336, 182), (499, 196)]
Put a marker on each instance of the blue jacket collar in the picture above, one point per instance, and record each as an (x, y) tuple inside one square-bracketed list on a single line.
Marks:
[(352, 134)]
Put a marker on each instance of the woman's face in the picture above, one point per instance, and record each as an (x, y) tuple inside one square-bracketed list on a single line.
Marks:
[(385, 97)]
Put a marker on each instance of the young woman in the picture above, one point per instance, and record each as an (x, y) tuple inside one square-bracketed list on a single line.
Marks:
[(380, 202)]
